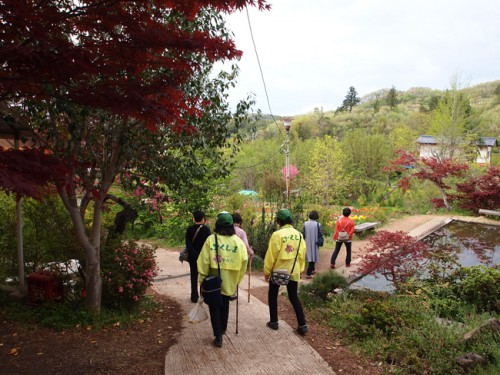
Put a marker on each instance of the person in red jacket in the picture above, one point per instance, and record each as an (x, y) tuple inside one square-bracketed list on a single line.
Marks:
[(343, 224)]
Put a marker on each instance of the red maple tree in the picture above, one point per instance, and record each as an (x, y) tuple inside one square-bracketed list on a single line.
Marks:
[(129, 57), (395, 255), (431, 169), (116, 87), (28, 173), (480, 192)]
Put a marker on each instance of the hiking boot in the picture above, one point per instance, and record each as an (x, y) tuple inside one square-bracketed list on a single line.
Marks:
[(273, 325), (218, 341), (302, 330), (309, 276), (332, 266)]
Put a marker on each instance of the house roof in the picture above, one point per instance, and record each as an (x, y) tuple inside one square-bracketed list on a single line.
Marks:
[(488, 141), (484, 141), (427, 139)]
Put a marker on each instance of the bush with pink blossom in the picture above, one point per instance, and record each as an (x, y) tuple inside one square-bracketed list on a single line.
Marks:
[(128, 269)]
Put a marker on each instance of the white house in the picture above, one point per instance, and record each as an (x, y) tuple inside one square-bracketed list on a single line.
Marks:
[(430, 147)]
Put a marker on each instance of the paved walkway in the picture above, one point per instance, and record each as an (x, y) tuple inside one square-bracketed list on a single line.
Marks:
[(254, 350)]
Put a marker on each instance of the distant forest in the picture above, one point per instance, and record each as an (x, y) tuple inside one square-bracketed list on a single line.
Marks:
[(341, 155)]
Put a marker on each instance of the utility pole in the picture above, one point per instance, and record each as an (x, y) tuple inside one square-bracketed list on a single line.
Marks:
[(288, 123)]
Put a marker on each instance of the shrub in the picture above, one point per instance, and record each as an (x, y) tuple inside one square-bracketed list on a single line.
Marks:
[(443, 302), (321, 288), (257, 263), (49, 234), (64, 315), (480, 287), (127, 271), (260, 233), (8, 239)]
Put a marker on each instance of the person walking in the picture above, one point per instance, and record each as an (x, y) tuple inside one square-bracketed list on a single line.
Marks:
[(230, 259), (286, 250), (343, 224), (314, 239), (238, 221), (196, 235)]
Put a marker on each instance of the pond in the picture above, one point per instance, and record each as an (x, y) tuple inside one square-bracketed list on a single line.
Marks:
[(474, 244)]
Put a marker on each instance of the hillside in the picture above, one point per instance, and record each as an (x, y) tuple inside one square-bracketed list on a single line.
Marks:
[(374, 116)]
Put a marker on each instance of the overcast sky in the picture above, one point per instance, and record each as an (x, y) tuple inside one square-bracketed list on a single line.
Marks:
[(312, 51)]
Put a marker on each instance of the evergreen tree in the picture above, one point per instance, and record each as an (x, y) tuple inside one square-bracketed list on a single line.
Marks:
[(376, 106), (392, 98), (351, 99)]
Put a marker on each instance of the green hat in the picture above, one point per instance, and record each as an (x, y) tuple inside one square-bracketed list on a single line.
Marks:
[(224, 219), (283, 215)]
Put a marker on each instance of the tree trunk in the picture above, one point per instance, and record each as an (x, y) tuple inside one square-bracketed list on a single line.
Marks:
[(93, 281), (445, 198), (91, 246)]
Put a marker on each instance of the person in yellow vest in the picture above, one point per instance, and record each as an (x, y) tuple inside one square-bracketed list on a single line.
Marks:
[(231, 261), (286, 250)]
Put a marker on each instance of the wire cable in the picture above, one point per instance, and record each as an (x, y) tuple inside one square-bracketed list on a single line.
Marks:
[(264, 161), (260, 69), (280, 150)]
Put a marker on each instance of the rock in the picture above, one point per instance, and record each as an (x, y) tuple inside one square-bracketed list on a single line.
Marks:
[(492, 325), (469, 360)]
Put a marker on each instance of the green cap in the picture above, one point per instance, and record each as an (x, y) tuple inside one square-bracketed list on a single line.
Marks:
[(224, 219), (283, 215)]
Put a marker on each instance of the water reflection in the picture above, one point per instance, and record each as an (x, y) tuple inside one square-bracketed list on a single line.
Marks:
[(471, 244)]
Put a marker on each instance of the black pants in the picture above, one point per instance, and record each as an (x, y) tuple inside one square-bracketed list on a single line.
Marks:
[(338, 244), (193, 270), (272, 299), (310, 268), (219, 315)]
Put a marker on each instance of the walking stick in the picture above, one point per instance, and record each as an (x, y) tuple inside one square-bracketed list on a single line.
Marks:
[(249, 274), (237, 304)]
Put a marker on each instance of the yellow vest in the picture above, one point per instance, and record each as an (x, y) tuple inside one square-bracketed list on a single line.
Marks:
[(282, 249), (233, 258)]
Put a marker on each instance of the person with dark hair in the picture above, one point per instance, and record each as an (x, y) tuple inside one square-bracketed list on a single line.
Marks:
[(343, 224), (238, 221), (196, 235), (314, 239), (286, 250), (230, 261)]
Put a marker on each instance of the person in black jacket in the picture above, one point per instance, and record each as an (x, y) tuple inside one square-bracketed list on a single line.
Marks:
[(196, 235)]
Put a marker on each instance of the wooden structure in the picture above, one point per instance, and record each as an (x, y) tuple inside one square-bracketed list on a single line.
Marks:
[(362, 228), (489, 212)]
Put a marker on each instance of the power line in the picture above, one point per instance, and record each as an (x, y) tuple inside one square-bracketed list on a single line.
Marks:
[(260, 69), (267, 97), (262, 162)]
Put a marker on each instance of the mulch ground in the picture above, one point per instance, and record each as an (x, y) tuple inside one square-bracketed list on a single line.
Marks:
[(141, 347), (137, 349)]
